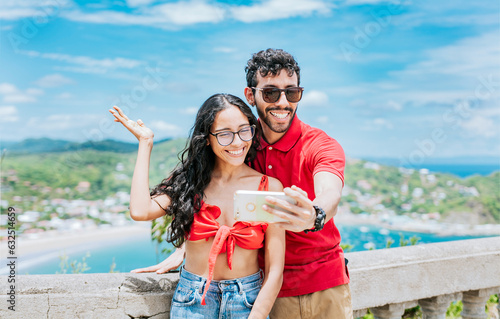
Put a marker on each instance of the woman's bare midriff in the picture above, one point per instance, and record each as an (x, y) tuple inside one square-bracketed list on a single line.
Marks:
[(244, 261)]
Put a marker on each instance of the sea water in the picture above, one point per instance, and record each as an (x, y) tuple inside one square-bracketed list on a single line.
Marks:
[(137, 252)]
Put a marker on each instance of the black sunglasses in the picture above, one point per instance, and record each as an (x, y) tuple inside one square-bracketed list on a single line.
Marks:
[(272, 94)]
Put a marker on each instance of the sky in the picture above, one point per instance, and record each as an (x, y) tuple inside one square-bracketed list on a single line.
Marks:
[(413, 80)]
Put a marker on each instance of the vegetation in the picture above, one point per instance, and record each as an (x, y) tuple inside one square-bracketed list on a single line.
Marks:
[(75, 266), (405, 191)]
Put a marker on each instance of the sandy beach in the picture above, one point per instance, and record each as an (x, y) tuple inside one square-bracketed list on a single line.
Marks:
[(59, 241)]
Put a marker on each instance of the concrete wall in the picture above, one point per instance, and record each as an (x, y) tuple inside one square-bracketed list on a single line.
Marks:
[(378, 277)]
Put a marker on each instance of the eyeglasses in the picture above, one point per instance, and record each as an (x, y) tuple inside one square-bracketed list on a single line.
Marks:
[(272, 95), (226, 137)]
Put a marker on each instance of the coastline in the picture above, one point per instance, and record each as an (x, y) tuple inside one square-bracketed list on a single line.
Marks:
[(59, 241), (397, 223)]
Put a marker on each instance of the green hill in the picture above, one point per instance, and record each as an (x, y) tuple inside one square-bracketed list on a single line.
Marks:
[(94, 171)]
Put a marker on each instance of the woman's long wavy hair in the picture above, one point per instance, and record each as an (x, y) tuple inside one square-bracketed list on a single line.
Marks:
[(188, 181)]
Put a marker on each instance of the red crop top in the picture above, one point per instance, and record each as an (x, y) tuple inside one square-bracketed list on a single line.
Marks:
[(247, 235)]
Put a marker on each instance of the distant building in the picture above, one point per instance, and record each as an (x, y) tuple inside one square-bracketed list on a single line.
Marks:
[(83, 187), (370, 165), (417, 192), (364, 184), (423, 171)]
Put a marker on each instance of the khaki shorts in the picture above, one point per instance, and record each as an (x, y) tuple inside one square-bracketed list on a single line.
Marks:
[(333, 303)]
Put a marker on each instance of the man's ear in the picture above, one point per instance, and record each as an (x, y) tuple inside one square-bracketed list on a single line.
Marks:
[(249, 96)]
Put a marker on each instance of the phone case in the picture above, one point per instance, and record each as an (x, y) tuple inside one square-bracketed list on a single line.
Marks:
[(248, 206)]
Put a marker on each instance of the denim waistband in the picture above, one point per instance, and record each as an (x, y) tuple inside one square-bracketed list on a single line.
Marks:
[(239, 284)]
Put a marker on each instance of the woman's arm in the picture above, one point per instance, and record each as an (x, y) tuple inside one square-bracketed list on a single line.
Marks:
[(171, 262), (273, 278), (142, 207)]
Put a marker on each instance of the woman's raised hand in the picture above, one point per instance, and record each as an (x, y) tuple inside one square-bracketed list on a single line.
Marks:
[(140, 131)]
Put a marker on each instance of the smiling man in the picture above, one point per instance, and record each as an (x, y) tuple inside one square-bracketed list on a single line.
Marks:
[(310, 165)]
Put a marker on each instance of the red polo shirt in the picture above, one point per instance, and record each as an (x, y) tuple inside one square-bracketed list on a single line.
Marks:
[(313, 261)]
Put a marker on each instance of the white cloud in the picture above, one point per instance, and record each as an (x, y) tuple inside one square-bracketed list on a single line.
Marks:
[(358, 2), (323, 119), (483, 122), (394, 106), (34, 91), (481, 126), (15, 10), (168, 15), (225, 50), (189, 110), (8, 114), (53, 80), (314, 98), (165, 127), (444, 76), (377, 124), (7, 88), (279, 9), (83, 64), (62, 123), (64, 96), (139, 3), (189, 12), (469, 57), (11, 94)]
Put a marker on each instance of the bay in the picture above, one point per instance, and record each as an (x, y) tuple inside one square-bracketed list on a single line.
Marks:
[(140, 251)]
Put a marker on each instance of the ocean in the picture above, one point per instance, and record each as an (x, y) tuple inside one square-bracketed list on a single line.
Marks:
[(140, 251), (461, 170)]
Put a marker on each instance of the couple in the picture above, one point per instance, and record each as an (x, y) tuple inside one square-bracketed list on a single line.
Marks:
[(242, 269)]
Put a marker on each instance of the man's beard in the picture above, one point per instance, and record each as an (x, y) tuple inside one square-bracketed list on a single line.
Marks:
[(276, 127)]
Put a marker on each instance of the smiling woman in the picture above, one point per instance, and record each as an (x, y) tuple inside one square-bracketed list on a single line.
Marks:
[(197, 200)]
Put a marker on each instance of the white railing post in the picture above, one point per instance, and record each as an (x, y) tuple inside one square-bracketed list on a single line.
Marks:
[(474, 302), (391, 311), (435, 307)]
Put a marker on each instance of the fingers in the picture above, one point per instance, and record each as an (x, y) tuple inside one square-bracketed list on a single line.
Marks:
[(120, 112), (298, 217), (299, 195), (147, 269), (281, 203), (298, 189), (120, 116), (163, 270)]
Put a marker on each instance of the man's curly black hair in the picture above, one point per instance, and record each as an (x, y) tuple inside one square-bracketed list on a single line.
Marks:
[(270, 61)]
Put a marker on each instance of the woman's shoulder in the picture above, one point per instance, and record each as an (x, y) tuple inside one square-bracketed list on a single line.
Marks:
[(275, 185)]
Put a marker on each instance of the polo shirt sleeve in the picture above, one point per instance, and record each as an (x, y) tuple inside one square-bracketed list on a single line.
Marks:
[(328, 156)]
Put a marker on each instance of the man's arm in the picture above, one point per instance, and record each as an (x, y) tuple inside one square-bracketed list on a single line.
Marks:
[(327, 190)]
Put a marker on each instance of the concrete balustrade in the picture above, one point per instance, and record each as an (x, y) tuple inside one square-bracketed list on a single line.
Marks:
[(386, 281)]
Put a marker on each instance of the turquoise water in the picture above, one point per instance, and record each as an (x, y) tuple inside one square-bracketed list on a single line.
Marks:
[(364, 237), (141, 251)]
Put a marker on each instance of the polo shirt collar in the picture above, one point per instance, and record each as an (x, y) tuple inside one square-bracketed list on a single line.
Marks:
[(287, 141)]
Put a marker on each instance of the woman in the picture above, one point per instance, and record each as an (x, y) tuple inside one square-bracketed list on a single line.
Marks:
[(199, 197)]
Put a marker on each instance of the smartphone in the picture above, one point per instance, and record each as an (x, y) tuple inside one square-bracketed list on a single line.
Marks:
[(248, 206)]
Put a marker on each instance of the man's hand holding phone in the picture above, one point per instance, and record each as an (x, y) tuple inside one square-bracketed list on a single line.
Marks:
[(294, 217), (249, 206)]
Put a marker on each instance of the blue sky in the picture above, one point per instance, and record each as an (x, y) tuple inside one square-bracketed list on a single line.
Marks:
[(413, 80)]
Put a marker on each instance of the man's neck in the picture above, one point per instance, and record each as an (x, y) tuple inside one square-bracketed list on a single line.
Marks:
[(270, 136)]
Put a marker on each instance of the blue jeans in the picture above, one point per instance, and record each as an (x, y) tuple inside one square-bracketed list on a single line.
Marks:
[(225, 299)]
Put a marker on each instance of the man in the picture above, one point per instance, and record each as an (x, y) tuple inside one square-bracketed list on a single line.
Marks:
[(310, 165)]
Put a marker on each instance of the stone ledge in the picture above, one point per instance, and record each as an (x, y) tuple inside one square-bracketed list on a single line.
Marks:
[(396, 276)]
